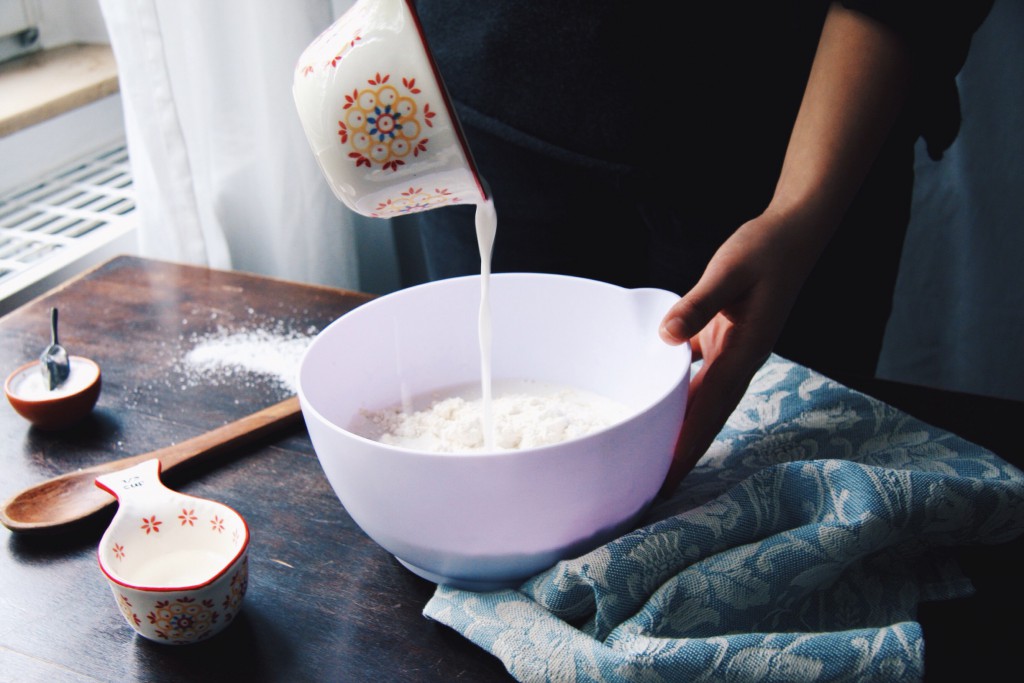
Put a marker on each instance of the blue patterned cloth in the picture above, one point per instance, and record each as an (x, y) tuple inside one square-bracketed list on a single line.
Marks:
[(798, 549)]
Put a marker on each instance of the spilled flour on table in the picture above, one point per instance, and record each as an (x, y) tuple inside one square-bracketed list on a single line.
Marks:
[(221, 358), (251, 359)]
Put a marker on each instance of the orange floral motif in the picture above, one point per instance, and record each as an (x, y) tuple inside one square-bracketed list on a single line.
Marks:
[(383, 124), (126, 609), (183, 620), (187, 517), (239, 584), (345, 48), (328, 36), (118, 551), (414, 199), (217, 524), (150, 524)]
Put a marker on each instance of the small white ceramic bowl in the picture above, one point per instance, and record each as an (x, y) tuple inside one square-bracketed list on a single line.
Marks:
[(489, 520), (177, 564), (31, 397)]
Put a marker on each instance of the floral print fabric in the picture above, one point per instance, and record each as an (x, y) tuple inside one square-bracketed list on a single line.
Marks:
[(798, 549)]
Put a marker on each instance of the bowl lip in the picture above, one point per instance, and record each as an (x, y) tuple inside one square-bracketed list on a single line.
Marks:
[(494, 454), (453, 281), (55, 400), (447, 101)]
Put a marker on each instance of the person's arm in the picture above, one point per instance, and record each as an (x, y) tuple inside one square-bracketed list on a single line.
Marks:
[(735, 313)]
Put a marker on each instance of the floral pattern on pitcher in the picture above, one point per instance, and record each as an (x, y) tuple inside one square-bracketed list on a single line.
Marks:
[(413, 200), (327, 38), (384, 124), (307, 69), (344, 50), (372, 105)]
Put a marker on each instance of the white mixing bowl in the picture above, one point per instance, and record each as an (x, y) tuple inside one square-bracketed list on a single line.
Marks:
[(482, 521)]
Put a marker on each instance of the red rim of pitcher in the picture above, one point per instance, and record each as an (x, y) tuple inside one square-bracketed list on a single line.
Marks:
[(447, 101)]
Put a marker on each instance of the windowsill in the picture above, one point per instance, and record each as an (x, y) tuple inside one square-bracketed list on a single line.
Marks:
[(48, 83)]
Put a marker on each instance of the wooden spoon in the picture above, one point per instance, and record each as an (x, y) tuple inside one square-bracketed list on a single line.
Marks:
[(70, 498)]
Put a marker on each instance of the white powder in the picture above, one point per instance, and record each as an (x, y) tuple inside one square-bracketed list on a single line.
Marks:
[(525, 415), (32, 385), (274, 354)]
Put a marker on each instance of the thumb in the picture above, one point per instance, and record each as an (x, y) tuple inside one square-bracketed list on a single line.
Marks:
[(691, 314)]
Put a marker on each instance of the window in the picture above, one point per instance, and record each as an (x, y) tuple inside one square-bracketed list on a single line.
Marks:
[(19, 28), (66, 199)]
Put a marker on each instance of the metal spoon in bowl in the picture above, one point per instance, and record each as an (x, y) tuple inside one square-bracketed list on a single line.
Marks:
[(55, 364)]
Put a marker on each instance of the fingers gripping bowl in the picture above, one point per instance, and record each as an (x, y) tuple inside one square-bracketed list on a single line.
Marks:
[(488, 520)]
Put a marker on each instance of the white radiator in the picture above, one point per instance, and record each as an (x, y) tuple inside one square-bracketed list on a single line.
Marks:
[(65, 222)]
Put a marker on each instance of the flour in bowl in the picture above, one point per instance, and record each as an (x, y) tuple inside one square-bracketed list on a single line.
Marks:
[(525, 415)]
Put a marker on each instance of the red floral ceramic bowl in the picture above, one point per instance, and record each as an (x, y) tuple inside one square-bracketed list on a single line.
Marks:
[(177, 564), (377, 116)]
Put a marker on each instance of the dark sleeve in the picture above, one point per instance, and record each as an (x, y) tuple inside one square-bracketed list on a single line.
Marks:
[(939, 34)]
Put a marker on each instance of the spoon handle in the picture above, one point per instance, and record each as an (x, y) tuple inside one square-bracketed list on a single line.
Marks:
[(63, 500), (248, 429)]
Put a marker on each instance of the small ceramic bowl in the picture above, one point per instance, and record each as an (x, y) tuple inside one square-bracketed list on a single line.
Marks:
[(490, 519), (28, 393), (376, 113), (177, 564)]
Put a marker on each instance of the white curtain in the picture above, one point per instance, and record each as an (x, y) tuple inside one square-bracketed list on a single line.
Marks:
[(223, 173)]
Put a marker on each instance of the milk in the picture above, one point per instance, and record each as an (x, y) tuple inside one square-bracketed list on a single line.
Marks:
[(580, 403), (486, 227), (181, 567)]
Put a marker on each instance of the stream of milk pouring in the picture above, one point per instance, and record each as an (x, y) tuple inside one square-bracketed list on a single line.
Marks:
[(486, 227)]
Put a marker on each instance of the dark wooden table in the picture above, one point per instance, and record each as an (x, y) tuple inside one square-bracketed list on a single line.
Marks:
[(324, 601)]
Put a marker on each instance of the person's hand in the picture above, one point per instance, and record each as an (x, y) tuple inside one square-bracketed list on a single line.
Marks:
[(732, 318), (735, 313)]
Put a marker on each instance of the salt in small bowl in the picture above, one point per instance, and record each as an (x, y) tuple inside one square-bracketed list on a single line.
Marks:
[(177, 564), (53, 409)]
